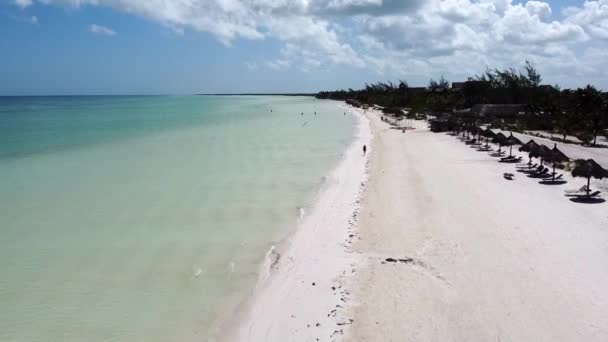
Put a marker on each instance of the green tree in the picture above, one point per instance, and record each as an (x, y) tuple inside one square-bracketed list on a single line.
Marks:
[(589, 103)]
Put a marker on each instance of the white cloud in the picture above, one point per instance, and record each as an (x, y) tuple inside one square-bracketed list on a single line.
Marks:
[(253, 66), (23, 3), (34, 19), (593, 17), (101, 30), (399, 37), (279, 64)]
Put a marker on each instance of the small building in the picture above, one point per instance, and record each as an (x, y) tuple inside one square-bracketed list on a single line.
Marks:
[(457, 86), (417, 90)]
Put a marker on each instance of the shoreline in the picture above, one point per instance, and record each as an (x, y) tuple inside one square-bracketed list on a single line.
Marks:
[(302, 289), (438, 246)]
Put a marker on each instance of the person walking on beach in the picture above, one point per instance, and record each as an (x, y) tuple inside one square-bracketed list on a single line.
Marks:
[(364, 149)]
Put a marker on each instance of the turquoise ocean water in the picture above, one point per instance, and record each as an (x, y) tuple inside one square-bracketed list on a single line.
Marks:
[(146, 218)]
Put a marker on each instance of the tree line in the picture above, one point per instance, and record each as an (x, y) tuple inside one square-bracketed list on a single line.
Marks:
[(581, 112)]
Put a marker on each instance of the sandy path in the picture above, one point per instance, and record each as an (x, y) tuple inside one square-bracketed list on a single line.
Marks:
[(491, 260)]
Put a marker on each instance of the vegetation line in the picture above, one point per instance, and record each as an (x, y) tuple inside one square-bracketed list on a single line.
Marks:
[(508, 99)]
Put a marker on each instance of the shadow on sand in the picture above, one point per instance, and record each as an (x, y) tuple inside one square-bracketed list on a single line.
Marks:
[(587, 200), (550, 182)]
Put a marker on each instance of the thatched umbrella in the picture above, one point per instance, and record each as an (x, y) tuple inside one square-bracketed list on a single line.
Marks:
[(555, 156), (510, 141), (499, 139), (527, 147), (539, 151), (475, 130), (587, 169), (487, 133)]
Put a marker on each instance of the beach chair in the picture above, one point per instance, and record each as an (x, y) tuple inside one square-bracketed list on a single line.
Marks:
[(540, 174), (583, 189), (509, 176), (527, 167), (591, 195), (511, 160), (535, 170)]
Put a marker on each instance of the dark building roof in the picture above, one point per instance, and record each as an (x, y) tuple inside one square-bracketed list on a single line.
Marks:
[(417, 90), (458, 85)]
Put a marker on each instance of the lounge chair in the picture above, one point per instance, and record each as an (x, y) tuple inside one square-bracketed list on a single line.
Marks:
[(531, 170), (527, 166), (591, 195), (511, 160), (583, 189), (540, 174), (509, 176)]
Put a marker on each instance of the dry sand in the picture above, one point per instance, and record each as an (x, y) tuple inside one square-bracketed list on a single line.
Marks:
[(484, 259)]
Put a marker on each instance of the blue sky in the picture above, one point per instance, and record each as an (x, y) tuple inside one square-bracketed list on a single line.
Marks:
[(200, 46)]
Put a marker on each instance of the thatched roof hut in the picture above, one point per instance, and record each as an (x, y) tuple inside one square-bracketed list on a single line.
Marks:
[(499, 138), (587, 169), (511, 140), (555, 156), (539, 151), (488, 133), (527, 147)]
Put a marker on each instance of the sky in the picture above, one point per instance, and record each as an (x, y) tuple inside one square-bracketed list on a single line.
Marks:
[(72, 47)]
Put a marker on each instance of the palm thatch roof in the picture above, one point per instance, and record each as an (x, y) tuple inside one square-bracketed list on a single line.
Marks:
[(488, 133), (556, 156), (589, 168), (474, 129), (527, 147), (511, 140), (540, 151), (499, 138)]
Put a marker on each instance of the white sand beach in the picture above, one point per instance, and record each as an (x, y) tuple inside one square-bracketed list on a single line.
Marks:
[(471, 256), (484, 259)]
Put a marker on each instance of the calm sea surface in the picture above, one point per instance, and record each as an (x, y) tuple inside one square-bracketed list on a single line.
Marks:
[(146, 218)]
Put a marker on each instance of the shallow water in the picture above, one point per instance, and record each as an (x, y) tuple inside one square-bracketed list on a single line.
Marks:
[(144, 218)]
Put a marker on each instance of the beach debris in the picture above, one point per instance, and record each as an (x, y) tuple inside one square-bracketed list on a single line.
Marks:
[(405, 260)]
